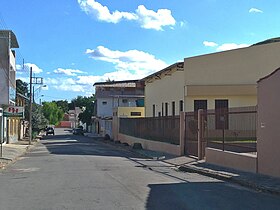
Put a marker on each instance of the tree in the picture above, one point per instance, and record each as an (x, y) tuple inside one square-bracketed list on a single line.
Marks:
[(86, 103), (52, 112), (63, 105), (38, 120)]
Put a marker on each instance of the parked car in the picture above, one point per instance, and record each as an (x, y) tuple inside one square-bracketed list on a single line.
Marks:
[(78, 131), (49, 130)]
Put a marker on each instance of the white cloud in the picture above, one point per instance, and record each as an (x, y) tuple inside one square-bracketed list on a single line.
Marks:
[(255, 10), (224, 47), (27, 66), (68, 72), (148, 19), (66, 84), (231, 46), (210, 44), (132, 62)]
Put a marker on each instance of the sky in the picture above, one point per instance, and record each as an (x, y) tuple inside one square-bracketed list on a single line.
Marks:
[(72, 44)]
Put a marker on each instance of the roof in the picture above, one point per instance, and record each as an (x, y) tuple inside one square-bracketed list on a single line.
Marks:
[(268, 41), (7, 34), (116, 83), (179, 65), (269, 75)]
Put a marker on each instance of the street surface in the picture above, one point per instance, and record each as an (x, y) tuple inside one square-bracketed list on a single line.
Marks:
[(76, 172)]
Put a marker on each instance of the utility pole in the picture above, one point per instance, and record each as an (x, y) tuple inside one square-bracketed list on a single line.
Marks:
[(33, 80), (30, 107)]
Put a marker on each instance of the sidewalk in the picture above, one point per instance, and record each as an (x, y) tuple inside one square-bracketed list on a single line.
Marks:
[(187, 164), (11, 152)]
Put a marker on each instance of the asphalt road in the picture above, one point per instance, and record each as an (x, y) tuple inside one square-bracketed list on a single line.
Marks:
[(75, 172)]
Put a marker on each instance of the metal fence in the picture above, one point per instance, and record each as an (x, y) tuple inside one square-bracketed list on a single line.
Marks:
[(163, 129), (232, 130), (191, 143)]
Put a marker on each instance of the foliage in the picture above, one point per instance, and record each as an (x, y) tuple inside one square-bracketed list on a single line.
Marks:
[(38, 119), (86, 104), (22, 87), (52, 112), (63, 105)]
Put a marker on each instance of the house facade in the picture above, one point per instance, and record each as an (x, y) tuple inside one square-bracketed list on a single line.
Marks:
[(116, 94), (164, 92), (219, 80), (9, 121), (228, 79)]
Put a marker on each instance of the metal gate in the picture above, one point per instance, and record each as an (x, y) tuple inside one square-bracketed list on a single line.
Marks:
[(191, 143)]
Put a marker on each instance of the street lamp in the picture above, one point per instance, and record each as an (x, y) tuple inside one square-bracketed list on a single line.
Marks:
[(41, 86)]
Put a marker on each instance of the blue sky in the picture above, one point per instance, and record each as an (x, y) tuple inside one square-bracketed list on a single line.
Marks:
[(74, 43)]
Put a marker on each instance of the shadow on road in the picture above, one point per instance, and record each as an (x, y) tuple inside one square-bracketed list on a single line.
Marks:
[(68, 144), (206, 195)]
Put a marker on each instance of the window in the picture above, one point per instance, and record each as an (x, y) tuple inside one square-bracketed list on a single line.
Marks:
[(154, 110), (135, 113), (200, 104), (124, 101), (181, 105), (104, 102), (166, 109), (221, 114), (173, 108), (162, 108), (159, 114)]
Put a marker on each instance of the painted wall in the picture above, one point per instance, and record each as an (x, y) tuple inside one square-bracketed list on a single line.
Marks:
[(4, 80), (126, 111), (268, 134), (244, 162), (234, 101), (151, 145), (104, 110), (240, 66), (165, 90)]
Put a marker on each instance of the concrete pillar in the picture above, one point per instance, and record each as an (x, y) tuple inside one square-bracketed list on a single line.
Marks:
[(182, 132)]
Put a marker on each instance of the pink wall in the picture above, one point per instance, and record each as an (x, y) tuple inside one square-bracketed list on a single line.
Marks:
[(244, 162), (268, 135), (151, 145)]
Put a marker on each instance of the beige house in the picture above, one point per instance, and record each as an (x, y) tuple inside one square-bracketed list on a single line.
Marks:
[(219, 80), (229, 78), (164, 92)]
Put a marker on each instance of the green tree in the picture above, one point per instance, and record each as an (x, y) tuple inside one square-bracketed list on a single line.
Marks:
[(52, 112), (63, 105), (86, 104)]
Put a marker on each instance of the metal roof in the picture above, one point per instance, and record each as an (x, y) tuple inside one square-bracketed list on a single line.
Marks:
[(7, 34)]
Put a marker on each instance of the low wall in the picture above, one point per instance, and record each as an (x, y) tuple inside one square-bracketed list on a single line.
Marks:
[(151, 145), (244, 162)]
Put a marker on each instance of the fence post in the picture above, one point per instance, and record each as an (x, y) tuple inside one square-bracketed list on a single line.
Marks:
[(199, 133), (182, 132)]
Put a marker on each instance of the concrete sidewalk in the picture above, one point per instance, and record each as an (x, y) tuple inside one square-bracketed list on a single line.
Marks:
[(191, 165), (11, 152)]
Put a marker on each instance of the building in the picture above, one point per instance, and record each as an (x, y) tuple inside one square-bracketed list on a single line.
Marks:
[(228, 79), (214, 81), (127, 96), (10, 120), (73, 117), (164, 92)]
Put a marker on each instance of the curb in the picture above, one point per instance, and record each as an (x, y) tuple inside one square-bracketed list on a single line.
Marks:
[(229, 178)]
